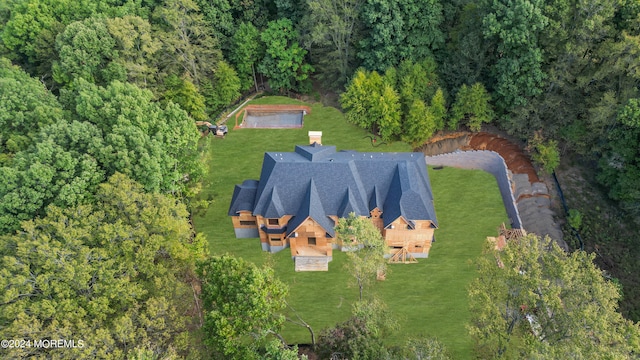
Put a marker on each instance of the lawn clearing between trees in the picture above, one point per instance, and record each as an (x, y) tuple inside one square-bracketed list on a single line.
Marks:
[(428, 298)]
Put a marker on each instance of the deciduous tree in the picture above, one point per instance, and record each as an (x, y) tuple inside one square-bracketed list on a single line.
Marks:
[(533, 300), (184, 93), (245, 53), (241, 304), (61, 167), (189, 47), (86, 50), (137, 47), (367, 249), (25, 107), (397, 30), (283, 62), (514, 25), (620, 165), (334, 26), (155, 145), (113, 275), (224, 90)]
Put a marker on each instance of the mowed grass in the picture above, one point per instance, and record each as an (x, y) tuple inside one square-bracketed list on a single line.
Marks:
[(428, 298)]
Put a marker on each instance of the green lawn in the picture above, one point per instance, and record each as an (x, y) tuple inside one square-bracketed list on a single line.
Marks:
[(428, 298)]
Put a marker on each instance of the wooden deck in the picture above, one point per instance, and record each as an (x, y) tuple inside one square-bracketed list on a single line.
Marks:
[(309, 251), (312, 263)]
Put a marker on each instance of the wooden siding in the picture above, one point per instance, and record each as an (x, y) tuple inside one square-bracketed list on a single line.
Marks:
[(242, 217), (310, 229), (416, 240), (397, 234), (376, 218), (266, 238)]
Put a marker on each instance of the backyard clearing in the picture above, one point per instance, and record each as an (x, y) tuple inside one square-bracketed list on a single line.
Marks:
[(428, 298)]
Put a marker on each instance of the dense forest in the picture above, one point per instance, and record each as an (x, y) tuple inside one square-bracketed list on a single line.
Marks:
[(98, 148)]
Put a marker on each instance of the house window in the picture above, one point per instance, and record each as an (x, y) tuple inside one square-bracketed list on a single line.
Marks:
[(408, 227), (248, 222), (311, 241), (275, 241), (273, 222)]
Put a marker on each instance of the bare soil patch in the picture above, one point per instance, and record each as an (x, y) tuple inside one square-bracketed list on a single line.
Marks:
[(517, 161)]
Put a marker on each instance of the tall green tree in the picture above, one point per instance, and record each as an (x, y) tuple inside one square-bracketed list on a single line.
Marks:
[(416, 81), (397, 30), (32, 27), (241, 304), (334, 26), (184, 93), (25, 107), (383, 23), (61, 167), (387, 111), (244, 54), (217, 14), (514, 25), (113, 275), (283, 62), (466, 55), (620, 165), (439, 109), (360, 97), (86, 50), (224, 90), (189, 46), (533, 300), (137, 48), (155, 145), (371, 102), (367, 249), (584, 52), (256, 12), (472, 104), (419, 124)]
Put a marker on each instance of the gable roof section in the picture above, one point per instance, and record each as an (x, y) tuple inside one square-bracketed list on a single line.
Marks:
[(317, 181), (274, 207), (402, 198), (349, 205), (375, 201), (311, 207)]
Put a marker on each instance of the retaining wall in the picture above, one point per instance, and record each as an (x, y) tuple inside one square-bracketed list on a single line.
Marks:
[(490, 162)]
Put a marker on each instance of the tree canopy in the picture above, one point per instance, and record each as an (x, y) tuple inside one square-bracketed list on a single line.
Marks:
[(241, 304), (116, 273), (534, 300), (366, 249)]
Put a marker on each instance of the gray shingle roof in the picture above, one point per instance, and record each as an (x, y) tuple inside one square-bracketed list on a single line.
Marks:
[(244, 197), (311, 206), (318, 181)]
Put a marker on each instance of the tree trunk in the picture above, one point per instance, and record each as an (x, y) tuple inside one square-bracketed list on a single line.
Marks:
[(255, 80)]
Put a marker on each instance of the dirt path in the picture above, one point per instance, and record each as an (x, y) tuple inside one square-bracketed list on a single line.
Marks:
[(517, 161)]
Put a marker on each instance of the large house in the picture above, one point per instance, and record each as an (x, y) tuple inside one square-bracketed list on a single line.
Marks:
[(301, 195)]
